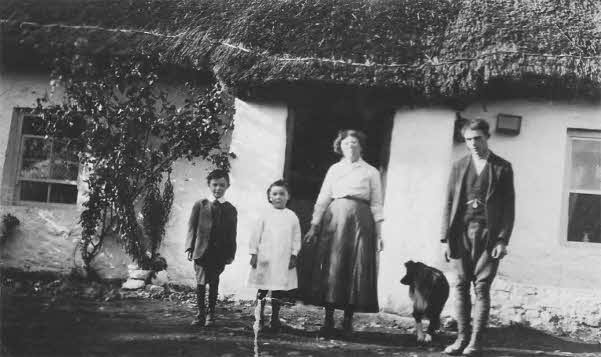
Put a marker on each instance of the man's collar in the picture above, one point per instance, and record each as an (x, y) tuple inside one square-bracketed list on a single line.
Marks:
[(485, 158)]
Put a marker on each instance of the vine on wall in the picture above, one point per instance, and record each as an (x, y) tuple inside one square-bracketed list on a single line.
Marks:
[(128, 134)]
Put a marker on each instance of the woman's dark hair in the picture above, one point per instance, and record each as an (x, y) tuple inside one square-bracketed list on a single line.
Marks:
[(343, 134), (477, 124), (278, 183)]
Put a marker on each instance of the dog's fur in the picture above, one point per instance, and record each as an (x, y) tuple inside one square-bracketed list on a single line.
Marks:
[(429, 291)]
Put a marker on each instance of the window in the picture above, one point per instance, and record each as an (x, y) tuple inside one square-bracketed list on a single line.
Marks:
[(45, 169), (584, 186)]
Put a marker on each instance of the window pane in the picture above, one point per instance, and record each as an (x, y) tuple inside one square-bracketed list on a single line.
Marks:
[(33, 125), (586, 164), (36, 158), (34, 191), (65, 164), (584, 218), (60, 193)]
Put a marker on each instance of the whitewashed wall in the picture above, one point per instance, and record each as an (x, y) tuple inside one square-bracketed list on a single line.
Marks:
[(417, 174)]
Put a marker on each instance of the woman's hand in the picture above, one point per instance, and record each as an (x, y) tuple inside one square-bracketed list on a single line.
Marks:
[(253, 261), (292, 263), (311, 234), (380, 244)]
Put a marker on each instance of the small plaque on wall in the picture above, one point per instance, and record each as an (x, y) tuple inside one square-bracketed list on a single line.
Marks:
[(508, 124)]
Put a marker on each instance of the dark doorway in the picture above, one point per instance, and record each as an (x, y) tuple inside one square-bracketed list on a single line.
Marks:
[(313, 124)]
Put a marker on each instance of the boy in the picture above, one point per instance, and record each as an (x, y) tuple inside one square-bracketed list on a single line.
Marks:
[(211, 242)]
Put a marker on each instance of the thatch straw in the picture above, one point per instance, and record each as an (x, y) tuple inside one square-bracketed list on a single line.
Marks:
[(433, 48)]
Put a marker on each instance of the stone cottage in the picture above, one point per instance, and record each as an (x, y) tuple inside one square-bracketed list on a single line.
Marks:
[(406, 72)]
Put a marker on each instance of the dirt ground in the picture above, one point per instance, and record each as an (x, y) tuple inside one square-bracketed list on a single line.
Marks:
[(58, 319)]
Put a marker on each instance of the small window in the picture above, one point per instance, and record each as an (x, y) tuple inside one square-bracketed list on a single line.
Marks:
[(47, 168), (584, 187)]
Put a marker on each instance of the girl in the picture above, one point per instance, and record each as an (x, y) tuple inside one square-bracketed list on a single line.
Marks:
[(274, 245)]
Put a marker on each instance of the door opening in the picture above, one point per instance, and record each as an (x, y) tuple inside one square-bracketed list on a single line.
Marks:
[(312, 127)]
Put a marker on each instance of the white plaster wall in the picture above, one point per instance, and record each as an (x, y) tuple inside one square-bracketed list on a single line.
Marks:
[(259, 142), (538, 254), (416, 179), (47, 235)]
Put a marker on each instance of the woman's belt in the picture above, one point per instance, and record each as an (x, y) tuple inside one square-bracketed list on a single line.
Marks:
[(363, 200)]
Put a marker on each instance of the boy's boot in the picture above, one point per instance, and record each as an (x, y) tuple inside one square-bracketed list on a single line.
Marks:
[(210, 321), (463, 307), (275, 323), (199, 320)]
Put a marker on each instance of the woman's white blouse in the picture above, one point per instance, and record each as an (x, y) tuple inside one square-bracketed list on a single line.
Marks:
[(350, 179)]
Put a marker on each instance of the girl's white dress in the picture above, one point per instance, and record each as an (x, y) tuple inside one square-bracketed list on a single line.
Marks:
[(276, 236)]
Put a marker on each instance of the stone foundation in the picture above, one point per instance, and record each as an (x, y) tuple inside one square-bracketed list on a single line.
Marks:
[(562, 311)]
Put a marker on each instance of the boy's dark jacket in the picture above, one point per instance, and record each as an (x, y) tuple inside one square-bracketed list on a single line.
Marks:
[(200, 226)]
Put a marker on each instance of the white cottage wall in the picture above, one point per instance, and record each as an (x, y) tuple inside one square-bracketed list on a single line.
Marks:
[(259, 142), (537, 250), (47, 235), (543, 281), (416, 178)]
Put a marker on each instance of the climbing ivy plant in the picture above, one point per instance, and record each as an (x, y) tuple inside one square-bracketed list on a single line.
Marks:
[(128, 133)]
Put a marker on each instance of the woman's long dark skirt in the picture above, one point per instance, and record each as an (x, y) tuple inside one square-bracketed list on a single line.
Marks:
[(339, 268)]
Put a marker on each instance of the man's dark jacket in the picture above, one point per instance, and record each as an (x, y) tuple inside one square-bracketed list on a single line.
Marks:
[(499, 204)]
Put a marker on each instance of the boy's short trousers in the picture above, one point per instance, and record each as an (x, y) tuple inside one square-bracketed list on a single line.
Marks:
[(206, 274)]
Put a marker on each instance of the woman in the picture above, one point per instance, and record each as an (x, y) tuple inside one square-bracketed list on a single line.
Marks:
[(345, 233)]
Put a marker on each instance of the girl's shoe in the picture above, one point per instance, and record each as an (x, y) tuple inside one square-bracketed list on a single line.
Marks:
[(210, 320), (198, 322), (347, 325)]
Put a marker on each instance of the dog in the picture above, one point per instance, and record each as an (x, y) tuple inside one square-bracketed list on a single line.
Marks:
[(429, 291)]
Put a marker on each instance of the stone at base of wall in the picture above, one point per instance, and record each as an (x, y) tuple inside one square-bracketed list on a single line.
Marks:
[(554, 309), (133, 284), (140, 274), (557, 309)]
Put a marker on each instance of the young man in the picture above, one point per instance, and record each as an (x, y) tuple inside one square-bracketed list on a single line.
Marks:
[(477, 224), (211, 242)]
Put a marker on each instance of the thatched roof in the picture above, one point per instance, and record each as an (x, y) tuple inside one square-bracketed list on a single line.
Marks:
[(429, 48)]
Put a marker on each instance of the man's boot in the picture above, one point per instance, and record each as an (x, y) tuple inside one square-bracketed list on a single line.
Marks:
[(210, 321), (482, 308), (464, 308), (199, 320)]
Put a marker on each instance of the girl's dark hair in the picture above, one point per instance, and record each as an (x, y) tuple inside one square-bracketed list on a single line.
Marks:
[(343, 134), (278, 183), (477, 124)]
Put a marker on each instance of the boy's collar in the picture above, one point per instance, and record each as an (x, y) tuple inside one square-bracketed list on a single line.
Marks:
[(221, 199)]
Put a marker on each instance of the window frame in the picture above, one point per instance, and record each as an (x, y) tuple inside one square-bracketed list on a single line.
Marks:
[(18, 139), (571, 134)]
